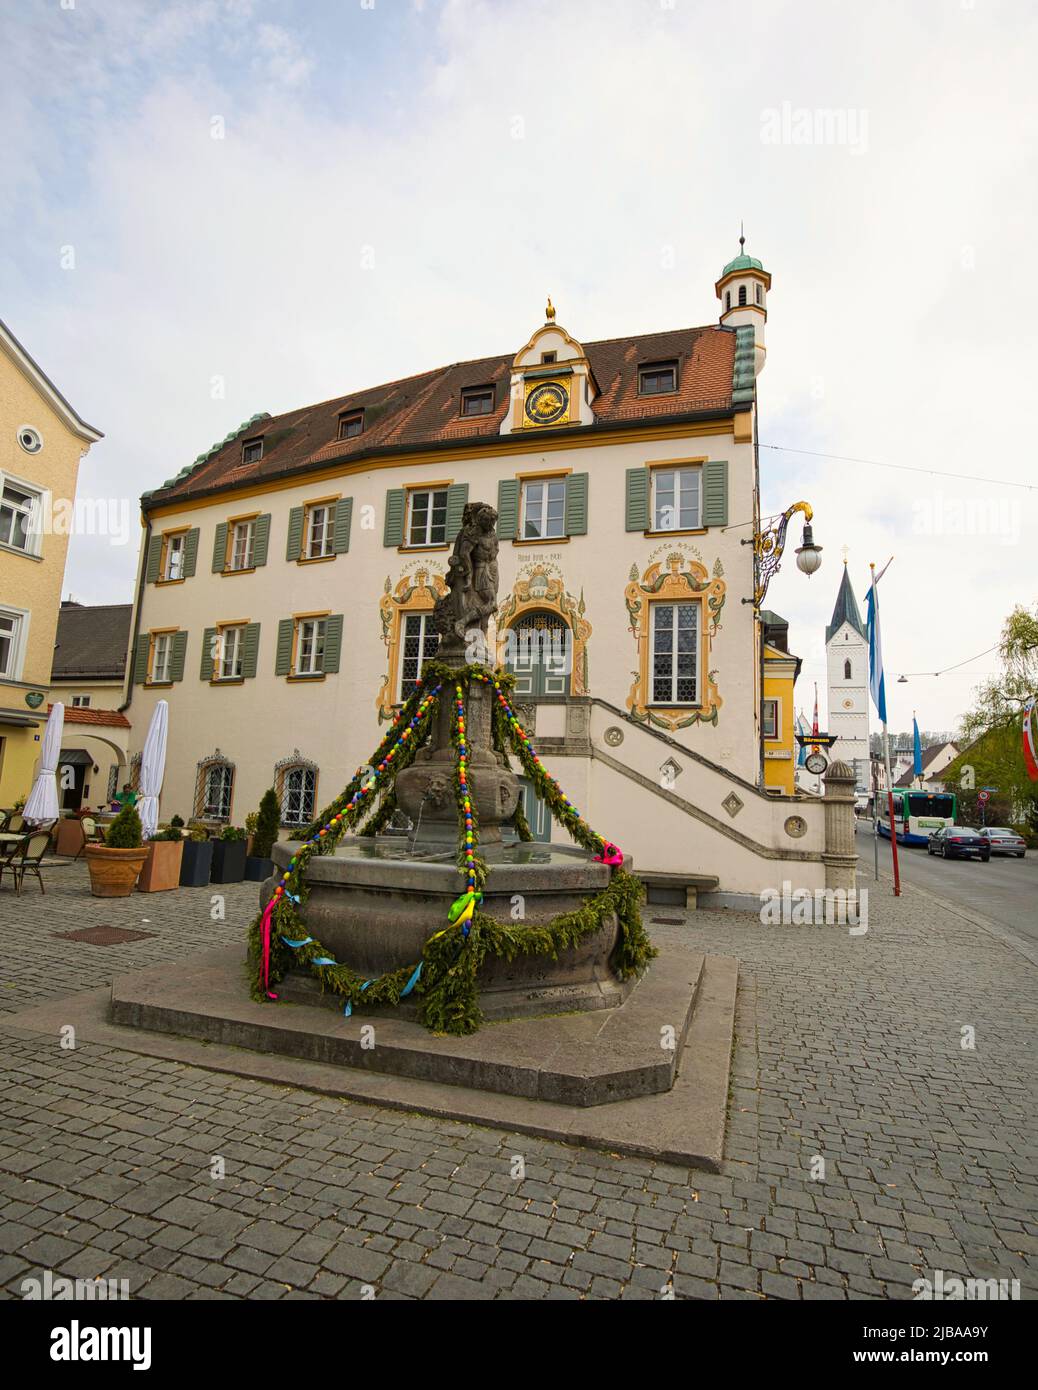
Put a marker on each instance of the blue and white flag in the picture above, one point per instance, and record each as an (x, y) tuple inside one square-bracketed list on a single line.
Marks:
[(802, 750), (876, 684), (917, 750)]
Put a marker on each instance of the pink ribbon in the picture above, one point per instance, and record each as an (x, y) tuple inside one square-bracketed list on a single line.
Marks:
[(265, 930), (611, 854)]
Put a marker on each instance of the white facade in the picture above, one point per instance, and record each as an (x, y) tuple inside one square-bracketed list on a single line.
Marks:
[(847, 684)]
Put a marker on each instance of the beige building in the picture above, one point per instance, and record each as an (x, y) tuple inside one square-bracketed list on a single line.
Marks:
[(42, 440), (288, 576), (88, 676)]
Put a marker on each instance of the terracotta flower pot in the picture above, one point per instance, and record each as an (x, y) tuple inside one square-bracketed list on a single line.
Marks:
[(162, 867), (113, 872)]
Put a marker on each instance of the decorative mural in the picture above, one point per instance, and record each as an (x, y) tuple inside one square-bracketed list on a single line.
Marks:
[(417, 590), (677, 577), (540, 586)]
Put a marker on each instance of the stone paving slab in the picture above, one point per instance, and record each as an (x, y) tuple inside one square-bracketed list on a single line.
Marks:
[(582, 1059)]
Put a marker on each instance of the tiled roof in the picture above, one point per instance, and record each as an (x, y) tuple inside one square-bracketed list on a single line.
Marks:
[(91, 641), (109, 718), (929, 756), (424, 411)]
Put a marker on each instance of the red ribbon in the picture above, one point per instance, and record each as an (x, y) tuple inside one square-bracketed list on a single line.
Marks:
[(1030, 754), (265, 930)]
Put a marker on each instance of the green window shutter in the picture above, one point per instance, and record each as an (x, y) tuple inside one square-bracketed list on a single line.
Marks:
[(508, 508), (715, 493), (190, 552), (220, 548), (332, 643), (250, 652), (637, 499), (341, 531), (208, 654), (576, 504), (176, 656), (457, 497), (261, 540), (393, 533), (295, 534), (154, 559), (283, 656), (140, 659)]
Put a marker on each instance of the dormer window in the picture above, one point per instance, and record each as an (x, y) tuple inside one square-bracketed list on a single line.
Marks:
[(477, 400), (351, 423), (657, 378), (548, 357), (252, 451)]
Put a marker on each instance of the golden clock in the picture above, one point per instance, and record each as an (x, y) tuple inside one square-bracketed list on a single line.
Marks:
[(547, 403)]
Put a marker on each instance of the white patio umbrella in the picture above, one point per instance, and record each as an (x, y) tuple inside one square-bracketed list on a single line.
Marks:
[(42, 804), (153, 766)]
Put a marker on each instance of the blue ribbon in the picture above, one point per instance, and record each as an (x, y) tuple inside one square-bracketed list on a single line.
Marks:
[(348, 1009), (412, 981), (305, 942), (323, 960)]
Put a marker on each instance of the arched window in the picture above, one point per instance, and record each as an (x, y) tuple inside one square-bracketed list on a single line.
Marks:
[(214, 788), (742, 294), (727, 300), (847, 670), (295, 781), (760, 294)]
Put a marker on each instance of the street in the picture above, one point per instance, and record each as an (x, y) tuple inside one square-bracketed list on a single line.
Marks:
[(1004, 890)]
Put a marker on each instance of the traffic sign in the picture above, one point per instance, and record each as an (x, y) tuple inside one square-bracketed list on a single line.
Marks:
[(983, 797)]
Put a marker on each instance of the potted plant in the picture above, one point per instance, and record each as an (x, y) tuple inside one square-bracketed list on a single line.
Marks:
[(258, 864), (197, 862), (115, 865), (162, 867), (251, 821), (229, 855)]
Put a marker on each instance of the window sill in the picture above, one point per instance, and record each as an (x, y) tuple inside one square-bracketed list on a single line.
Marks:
[(168, 583), (671, 705), (418, 549), (246, 569), (305, 677), (226, 680), (690, 531), (17, 550), (157, 685), (315, 559)]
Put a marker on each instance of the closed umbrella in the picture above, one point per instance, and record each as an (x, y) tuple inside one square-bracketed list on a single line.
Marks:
[(153, 765), (42, 804)]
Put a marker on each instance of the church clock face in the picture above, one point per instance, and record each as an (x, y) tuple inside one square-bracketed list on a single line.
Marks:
[(547, 404)]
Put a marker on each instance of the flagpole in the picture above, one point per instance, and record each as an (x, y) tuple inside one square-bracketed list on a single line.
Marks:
[(886, 760)]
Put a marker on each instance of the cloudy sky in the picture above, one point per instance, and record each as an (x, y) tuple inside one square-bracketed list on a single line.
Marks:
[(297, 199)]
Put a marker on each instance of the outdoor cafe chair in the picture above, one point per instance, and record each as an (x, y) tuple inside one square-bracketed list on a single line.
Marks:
[(30, 855)]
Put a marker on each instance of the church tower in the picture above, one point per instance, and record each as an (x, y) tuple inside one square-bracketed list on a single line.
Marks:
[(847, 664)]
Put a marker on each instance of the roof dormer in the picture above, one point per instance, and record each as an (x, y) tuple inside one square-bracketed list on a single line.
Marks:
[(552, 386)]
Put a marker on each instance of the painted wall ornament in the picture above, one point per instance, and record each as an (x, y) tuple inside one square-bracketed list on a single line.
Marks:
[(676, 579), (540, 586), (417, 591)]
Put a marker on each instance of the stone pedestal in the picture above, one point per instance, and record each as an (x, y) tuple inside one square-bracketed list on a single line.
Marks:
[(425, 791)]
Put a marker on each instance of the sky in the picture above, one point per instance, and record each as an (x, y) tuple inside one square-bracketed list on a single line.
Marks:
[(217, 207)]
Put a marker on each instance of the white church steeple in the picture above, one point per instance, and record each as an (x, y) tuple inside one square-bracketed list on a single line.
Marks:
[(847, 664)]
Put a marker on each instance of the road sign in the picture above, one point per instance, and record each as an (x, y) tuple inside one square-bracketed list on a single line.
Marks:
[(983, 797)]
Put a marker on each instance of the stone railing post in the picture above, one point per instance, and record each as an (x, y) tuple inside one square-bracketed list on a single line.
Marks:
[(840, 855)]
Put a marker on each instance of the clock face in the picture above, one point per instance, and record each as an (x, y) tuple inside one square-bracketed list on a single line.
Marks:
[(547, 404), (816, 762)]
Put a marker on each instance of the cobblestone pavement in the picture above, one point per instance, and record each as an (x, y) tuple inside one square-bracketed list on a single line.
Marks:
[(848, 1049)]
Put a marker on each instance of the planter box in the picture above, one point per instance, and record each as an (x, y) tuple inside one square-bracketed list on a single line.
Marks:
[(196, 864), (228, 861), (68, 837), (162, 867), (256, 870), (113, 872)]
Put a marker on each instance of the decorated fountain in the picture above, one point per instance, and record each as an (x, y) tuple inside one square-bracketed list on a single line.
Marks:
[(462, 917)]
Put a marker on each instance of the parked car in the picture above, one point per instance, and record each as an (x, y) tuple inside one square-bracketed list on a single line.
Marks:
[(1004, 841), (958, 842)]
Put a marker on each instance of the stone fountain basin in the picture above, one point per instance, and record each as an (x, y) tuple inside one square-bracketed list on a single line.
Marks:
[(375, 902)]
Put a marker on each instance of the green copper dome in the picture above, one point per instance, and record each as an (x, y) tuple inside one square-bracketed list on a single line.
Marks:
[(741, 263)]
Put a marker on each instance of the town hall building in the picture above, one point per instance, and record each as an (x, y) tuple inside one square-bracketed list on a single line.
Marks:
[(288, 577)]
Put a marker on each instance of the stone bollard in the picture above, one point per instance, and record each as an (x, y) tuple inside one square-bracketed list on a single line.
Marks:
[(840, 856)]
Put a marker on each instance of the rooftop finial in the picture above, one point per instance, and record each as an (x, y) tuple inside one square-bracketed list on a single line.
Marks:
[(742, 236), (549, 312)]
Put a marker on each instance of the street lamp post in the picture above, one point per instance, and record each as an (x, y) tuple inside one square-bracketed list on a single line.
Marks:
[(769, 543)]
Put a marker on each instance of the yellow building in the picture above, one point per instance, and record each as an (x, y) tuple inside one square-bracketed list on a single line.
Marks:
[(781, 669), (42, 440)]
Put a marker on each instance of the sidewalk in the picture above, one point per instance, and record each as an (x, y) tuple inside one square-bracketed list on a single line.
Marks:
[(848, 1049)]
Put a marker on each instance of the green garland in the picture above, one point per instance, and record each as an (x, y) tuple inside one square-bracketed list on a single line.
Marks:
[(446, 978)]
